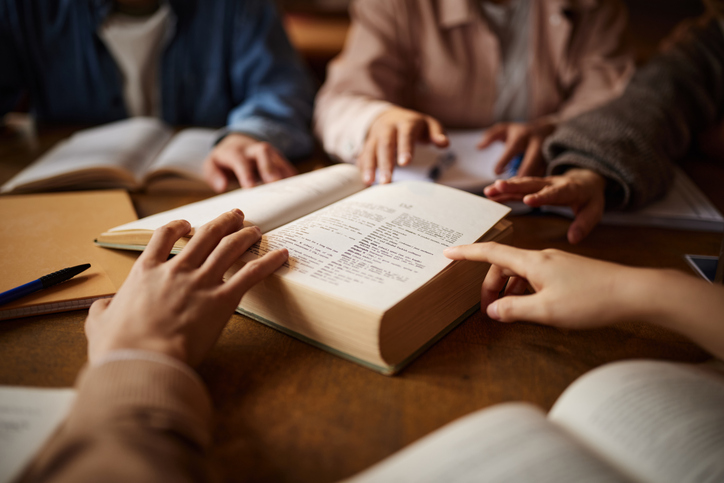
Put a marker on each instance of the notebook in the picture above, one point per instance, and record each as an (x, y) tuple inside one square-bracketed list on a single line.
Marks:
[(47, 232)]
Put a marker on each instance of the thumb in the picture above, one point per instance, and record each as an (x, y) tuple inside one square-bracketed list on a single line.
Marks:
[(214, 175), (587, 217), (437, 133)]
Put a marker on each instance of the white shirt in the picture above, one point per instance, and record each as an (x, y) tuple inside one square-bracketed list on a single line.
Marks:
[(136, 44), (510, 23)]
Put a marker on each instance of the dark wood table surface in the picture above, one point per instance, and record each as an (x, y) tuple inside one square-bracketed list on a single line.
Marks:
[(286, 411)]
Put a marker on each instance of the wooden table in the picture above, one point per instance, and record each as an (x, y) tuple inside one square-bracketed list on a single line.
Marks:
[(286, 411)]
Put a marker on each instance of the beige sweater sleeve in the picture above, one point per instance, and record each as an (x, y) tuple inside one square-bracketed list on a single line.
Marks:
[(605, 60), (364, 80), (133, 420)]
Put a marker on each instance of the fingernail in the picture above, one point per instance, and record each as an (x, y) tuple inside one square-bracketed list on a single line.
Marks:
[(237, 212), (368, 177), (219, 184), (493, 311), (384, 178), (258, 230), (403, 159)]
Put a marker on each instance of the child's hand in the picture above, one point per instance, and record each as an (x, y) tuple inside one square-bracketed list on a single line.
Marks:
[(581, 189), (520, 138), (391, 139)]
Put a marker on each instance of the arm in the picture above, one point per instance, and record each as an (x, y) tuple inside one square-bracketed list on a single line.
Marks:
[(142, 414), (577, 292), (633, 139), (357, 115), (275, 95)]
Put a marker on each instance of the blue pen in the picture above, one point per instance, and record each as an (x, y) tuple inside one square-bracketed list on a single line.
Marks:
[(41, 283), (514, 165)]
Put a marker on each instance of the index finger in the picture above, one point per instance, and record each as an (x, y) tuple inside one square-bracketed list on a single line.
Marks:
[(507, 257)]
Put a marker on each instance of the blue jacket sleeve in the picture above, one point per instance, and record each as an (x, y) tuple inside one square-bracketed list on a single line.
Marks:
[(273, 88)]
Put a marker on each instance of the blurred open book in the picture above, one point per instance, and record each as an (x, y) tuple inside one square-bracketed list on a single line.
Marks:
[(134, 154), (462, 165)]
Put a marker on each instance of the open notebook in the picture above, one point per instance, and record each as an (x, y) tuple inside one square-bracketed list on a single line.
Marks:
[(684, 207)]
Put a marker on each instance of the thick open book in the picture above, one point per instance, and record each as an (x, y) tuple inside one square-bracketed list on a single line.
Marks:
[(134, 154), (634, 421), (366, 278)]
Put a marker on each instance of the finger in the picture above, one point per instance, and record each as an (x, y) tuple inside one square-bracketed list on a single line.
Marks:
[(526, 185), (284, 167), (533, 160), (507, 257), (229, 250), (556, 194), (514, 145), (386, 154), (367, 161), (243, 168), (214, 175), (502, 198), (518, 307), (516, 286), (162, 241), (94, 313), (494, 282), (407, 134), (495, 133), (208, 237), (587, 217), (265, 165), (254, 272), (436, 132)]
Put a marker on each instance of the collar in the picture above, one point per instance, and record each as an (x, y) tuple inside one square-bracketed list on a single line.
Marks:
[(452, 13), (102, 8)]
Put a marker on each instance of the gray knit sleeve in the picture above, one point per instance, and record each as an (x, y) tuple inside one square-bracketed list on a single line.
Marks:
[(634, 139)]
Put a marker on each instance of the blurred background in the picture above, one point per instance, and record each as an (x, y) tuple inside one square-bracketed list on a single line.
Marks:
[(318, 27)]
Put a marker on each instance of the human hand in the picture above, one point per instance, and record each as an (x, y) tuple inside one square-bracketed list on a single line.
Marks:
[(249, 160), (392, 137), (179, 307), (570, 291), (581, 189), (520, 138)]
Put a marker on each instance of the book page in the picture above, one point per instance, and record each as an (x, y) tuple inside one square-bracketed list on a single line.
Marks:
[(510, 442), (461, 165), (28, 416), (128, 145), (267, 206), (657, 421), (185, 153), (381, 244)]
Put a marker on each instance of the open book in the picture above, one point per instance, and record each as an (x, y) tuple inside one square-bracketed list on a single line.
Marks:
[(366, 278), (134, 154), (462, 165), (28, 416), (634, 421)]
